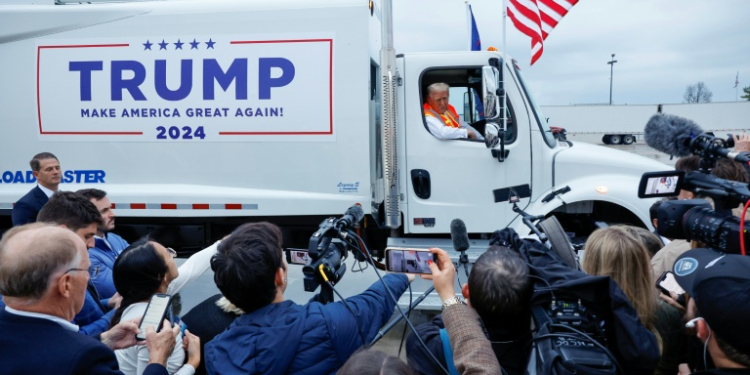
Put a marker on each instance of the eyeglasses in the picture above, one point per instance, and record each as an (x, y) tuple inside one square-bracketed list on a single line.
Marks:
[(172, 252), (92, 271)]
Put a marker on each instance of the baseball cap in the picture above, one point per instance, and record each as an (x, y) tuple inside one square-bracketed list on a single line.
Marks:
[(720, 286)]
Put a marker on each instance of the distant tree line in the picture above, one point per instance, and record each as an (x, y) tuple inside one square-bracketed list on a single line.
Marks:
[(697, 93)]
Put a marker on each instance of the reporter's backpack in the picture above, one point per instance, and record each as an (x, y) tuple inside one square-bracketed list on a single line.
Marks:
[(584, 325)]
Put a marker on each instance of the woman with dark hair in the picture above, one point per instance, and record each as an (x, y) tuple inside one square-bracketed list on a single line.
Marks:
[(143, 269)]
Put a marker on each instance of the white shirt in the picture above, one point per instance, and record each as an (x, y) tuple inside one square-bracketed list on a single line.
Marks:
[(133, 360), (195, 266), (64, 323), (46, 191), (439, 130)]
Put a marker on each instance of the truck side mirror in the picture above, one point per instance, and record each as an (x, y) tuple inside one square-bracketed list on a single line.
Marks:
[(491, 135), (494, 139), (490, 79)]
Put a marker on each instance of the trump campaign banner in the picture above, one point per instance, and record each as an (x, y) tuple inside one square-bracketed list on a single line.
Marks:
[(186, 88)]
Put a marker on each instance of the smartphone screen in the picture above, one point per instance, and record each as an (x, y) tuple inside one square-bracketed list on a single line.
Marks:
[(408, 260), (297, 256), (668, 283), (155, 313)]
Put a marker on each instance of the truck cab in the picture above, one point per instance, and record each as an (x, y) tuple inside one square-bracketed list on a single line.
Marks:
[(448, 179)]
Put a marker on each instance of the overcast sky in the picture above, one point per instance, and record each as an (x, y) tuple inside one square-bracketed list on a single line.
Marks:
[(661, 46)]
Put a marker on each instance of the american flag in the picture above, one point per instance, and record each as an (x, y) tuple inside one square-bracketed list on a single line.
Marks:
[(537, 18)]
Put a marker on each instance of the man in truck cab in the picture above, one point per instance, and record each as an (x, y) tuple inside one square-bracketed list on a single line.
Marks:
[(442, 119)]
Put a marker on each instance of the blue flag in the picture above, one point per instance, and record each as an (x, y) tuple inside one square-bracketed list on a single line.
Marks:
[(476, 43)]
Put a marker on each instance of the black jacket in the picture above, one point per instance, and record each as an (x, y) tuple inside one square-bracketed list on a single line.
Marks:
[(634, 346)]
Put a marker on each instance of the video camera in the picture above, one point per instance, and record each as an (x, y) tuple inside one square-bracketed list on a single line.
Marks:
[(695, 219), (327, 250)]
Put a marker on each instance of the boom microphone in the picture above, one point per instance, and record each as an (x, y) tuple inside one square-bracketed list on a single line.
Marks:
[(671, 134), (353, 215), (679, 136), (459, 235)]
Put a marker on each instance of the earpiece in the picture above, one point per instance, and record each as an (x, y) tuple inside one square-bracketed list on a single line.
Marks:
[(691, 323)]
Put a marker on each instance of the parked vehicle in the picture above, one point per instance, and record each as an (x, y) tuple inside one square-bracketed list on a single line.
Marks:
[(623, 124)]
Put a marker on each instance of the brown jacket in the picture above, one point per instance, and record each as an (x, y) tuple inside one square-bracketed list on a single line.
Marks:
[(472, 350)]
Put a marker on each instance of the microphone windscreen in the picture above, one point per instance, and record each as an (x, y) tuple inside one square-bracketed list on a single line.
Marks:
[(356, 212), (459, 235), (671, 134)]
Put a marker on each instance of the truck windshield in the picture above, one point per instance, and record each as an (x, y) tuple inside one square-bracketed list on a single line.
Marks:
[(540, 119)]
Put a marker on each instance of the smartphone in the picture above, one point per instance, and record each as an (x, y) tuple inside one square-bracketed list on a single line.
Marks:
[(298, 256), (156, 311), (667, 283), (408, 260), (661, 184)]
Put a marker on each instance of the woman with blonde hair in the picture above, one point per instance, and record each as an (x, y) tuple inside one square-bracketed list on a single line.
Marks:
[(616, 252)]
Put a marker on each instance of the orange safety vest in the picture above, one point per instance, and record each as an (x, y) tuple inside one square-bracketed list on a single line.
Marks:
[(449, 118)]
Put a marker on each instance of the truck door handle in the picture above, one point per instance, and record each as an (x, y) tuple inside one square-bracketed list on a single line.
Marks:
[(420, 180)]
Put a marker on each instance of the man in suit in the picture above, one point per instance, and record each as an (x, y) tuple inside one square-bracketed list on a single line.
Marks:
[(43, 277), (500, 287), (46, 169)]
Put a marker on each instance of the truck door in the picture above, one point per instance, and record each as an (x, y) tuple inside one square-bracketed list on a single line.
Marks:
[(454, 178)]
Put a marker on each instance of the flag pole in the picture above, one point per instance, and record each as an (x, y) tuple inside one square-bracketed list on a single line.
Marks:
[(502, 72), (737, 87), (468, 21)]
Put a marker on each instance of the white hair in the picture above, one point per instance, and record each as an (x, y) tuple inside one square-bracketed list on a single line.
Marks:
[(437, 87)]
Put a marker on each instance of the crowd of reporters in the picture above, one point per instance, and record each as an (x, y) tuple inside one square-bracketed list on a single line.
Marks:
[(76, 291)]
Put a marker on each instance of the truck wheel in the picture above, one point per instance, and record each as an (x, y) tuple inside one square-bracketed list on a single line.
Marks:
[(559, 241), (615, 139), (606, 139), (628, 139)]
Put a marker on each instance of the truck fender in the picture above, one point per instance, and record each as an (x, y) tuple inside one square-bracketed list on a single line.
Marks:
[(615, 189)]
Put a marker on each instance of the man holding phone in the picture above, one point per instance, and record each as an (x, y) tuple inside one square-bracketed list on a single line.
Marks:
[(250, 270), (498, 290), (43, 278)]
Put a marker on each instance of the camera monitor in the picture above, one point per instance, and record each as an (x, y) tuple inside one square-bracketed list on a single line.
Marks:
[(298, 256), (660, 184)]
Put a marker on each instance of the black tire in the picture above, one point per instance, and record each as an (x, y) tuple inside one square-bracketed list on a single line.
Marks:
[(605, 139), (559, 241), (628, 139), (615, 139)]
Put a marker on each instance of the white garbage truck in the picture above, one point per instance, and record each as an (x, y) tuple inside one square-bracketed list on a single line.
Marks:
[(197, 115)]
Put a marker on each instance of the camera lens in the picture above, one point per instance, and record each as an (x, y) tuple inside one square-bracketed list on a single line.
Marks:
[(717, 230)]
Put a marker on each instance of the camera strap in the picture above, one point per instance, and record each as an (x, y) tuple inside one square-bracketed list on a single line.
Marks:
[(448, 352)]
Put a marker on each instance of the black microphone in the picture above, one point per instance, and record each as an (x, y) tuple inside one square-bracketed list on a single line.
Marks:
[(459, 235), (353, 215), (671, 134)]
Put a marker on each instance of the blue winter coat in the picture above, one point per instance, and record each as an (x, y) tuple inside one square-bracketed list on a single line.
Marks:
[(287, 338), (95, 316), (103, 257)]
